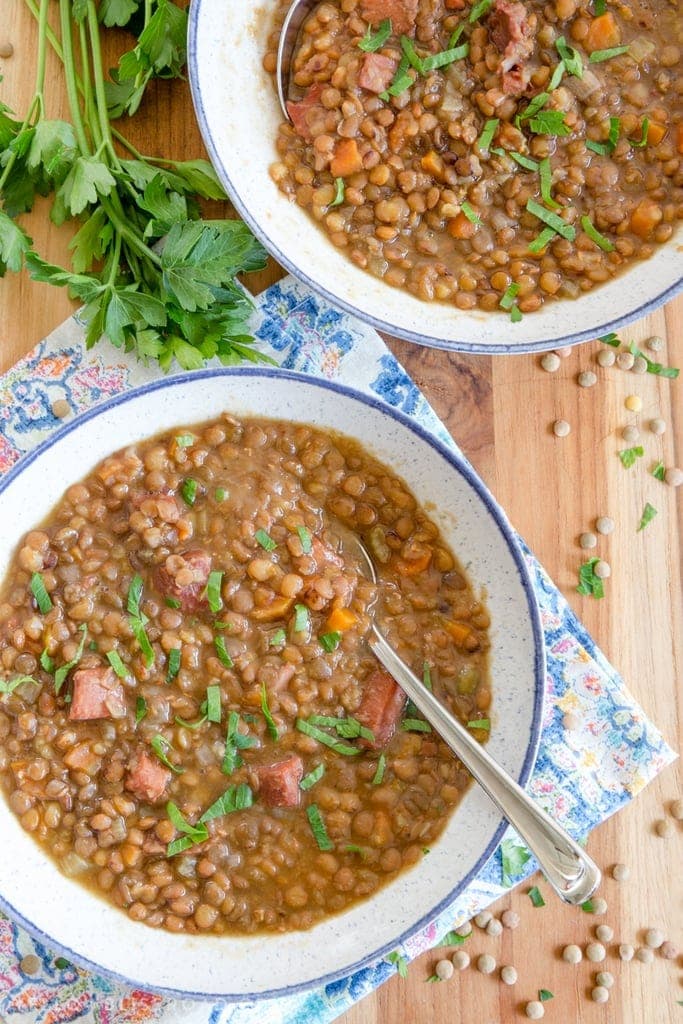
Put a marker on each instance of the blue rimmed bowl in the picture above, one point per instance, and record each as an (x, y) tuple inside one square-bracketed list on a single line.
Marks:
[(239, 114), (71, 919)]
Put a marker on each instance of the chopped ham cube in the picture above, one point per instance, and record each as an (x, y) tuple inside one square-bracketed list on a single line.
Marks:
[(301, 111), (511, 33), (381, 708), (401, 12), (184, 577), (146, 778), (279, 782), (376, 72), (97, 693)]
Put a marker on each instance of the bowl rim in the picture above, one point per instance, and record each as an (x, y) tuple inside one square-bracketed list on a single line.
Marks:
[(496, 348), (461, 466)]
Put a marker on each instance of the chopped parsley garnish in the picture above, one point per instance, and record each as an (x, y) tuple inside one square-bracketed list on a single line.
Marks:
[(373, 41), (172, 602), (557, 76), (402, 80), (396, 958), (213, 590), (138, 628), (644, 129), (524, 161), (427, 675), (606, 148), (415, 725), (445, 57), (305, 538), (10, 685), (220, 494), (318, 829), (380, 770), (324, 737), (655, 368), (434, 978), (477, 12), (546, 175), (480, 723), (628, 456), (509, 295), (173, 664), (610, 339), (301, 618), (140, 709), (544, 995), (599, 55), (46, 662), (452, 939), (192, 834), (348, 728), (588, 907), (185, 440), (63, 671), (515, 314), (114, 659), (549, 122), (472, 217), (213, 703), (411, 54), (514, 856), (453, 41), (339, 193), (234, 742), (552, 220), (486, 137), (542, 239), (61, 964), (571, 58), (535, 896), (355, 848), (330, 641), (314, 776), (536, 104), (235, 798), (188, 490), (265, 710), (222, 652), (595, 236), (649, 512), (138, 619), (39, 591), (599, 7), (183, 722), (278, 638), (160, 746), (658, 471), (266, 542), (590, 585)]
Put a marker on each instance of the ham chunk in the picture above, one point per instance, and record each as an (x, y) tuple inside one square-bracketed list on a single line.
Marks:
[(97, 693), (381, 708), (305, 111), (511, 32), (279, 782), (146, 778), (184, 578), (402, 14), (376, 72)]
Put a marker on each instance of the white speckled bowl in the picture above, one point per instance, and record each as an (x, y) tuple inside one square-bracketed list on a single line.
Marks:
[(238, 115), (69, 918)]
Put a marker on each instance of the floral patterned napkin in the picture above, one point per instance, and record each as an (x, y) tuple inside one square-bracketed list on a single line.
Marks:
[(582, 775)]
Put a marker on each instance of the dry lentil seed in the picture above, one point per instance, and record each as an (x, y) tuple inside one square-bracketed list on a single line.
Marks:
[(494, 928), (625, 360), (444, 970), (657, 426), (630, 434), (673, 476), (639, 366), (486, 964), (586, 379), (664, 828), (605, 979), (676, 809), (621, 872), (644, 955), (61, 408), (600, 994), (654, 938), (460, 960), (483, 918), (599, 905), (604, 933), (606, 357), (508, 975), (534, 1010), (668, 950), (6, 50), (595, 952), (604, 525), (29, 964), (587, 540), (626, 952), (572, 954), (655, 343), (464, 930), (633, 403), (509, 919), (561, 428), (550, 362), (602, 570)]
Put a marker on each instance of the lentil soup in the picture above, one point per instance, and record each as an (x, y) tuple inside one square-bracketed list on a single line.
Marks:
[(191, 723), (493, 155)]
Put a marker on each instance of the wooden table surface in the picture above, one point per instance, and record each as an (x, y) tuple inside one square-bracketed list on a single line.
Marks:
[(500, 410)]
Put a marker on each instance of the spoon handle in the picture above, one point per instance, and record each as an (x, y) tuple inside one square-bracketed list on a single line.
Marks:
[(568, 868)]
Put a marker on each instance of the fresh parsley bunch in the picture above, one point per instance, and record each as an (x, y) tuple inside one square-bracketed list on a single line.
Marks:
[(154, 276)]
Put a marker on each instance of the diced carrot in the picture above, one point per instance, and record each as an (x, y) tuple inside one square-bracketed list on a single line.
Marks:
[(603, 33), (277, 609), (458, 630), (646, 217), (433, 164), (341, 619), (415, 565), (679, 138), (655, 133), (346, 160), (461, 227)]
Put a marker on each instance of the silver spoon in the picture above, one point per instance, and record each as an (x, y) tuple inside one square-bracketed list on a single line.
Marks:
[(291, 26), (567, 867)]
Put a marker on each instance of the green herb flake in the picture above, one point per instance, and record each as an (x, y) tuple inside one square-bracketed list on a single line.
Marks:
[(348, 728), (649, 512), (234, 742), (373, 41), (134, 597), (524, 161), (480, 723), (486, 137), (427, 675), (415, 725), (305, 538), (597, 56), (265, 710), (140, 708), (452, 939), (145, 646), (235, 798), (213, 591), (318, 829), (444, 58), (588, 907), (278, 638), (160, 746), (549, 122), (330, 641), (455, 37), (301, 618), (472, 217), (509, 295), (552, 220), (571, 58), (433, 978), (308, 729), (478, 11), (402, 81), (411, 54), (557, 76), (220, 494), (355, 848), (610, 339), (599, 7), (61, 964), (515, 314), (185, 440), (514, 855), (10, 685), (114, 659), (590, 585), (39, 591), (396, 958), (46, 662), (595, 236), (63, 671), (189, 490), (536, 104), (658, 471), (541, 240), (266, 542), (172, 602), (173, 664), (222, 652), (546, 176), (628, 456), (535, 896), (544, 995), (644, 129), (378, 777), (314, 776), (213, 704), (191, 834)]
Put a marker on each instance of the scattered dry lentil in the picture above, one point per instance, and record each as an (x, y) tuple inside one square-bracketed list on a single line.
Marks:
[(676, 810), (606, 357), (630, 434), (494, 928), (6, 50), (655, 343), (674, 477), (664, 828), (508, 975), (657, 425), (621, 872), (654, 938), (668, 950), (604, 933), (461, 960), (29, 964), (561, 428), (600, 994), (626, 952), (550, 362), (510, 919), (444, 970), (634, 403), (604, 978), (482, 919), (602, 570), (588, 540), (599, 905), (595, 952), (587, 379), (625, 360), (61, 408), (486, 964), (572, 954), (639, 365), (534, 1010), (645, 955), (604, 525), (464, 930)]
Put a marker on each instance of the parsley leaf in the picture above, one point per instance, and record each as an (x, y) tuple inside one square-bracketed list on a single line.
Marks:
[(649, 512), (514, 855), (590, 584), (628, 456)]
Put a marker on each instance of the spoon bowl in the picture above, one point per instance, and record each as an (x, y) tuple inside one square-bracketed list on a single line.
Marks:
[(291, 27)]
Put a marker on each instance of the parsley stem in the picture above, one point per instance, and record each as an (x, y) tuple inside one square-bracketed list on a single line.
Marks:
[(37, 100), (98, 76), (86, 86), (70, 77)]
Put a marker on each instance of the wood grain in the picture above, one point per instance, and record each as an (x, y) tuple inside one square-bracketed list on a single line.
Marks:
[(500, 411)]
